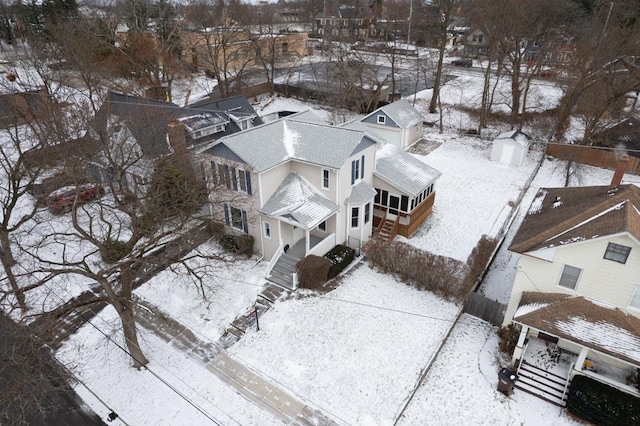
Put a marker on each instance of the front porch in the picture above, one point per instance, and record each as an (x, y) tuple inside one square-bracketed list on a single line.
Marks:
[(282, 268), (546, 365)]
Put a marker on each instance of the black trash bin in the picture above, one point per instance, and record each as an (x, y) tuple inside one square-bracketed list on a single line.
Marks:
[(506, 379)]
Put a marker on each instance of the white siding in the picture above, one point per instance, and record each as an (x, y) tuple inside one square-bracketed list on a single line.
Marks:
[(601, 279)]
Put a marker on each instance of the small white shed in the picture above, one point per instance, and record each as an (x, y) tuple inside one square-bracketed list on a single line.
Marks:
[(510, 148)]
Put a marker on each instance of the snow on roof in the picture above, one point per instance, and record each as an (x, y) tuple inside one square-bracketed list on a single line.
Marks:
[(584, 222), (594, 324), (515, 135), (528, 308), (202, 121), (401, 112), (536, 204), (361, 193), (603, 335), (297, 198), (266, 146), (403, 171), (584, 213)]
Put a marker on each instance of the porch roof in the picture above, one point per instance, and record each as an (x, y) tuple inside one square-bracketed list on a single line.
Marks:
[(403, 171), (298, 199), (590, 323)]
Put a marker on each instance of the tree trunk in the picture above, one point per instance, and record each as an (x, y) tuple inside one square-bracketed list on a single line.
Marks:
[(124, 308), (5, 248), (7, 260), (13, 283), (123, 305), (438, 77)]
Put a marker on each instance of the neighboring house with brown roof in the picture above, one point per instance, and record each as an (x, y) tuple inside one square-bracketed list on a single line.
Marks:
[(577, 285)]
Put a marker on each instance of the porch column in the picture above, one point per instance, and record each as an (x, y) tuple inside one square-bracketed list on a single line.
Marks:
[(581, 358), (281, 241), (306, 243), (518, 352)]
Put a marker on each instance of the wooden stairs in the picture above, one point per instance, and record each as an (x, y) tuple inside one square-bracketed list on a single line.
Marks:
[(388, 230), (543, 384)]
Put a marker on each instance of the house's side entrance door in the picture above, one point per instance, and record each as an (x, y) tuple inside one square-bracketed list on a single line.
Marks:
[(394, 205), (298, 234)]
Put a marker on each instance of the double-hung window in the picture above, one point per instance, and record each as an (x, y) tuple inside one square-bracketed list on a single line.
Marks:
[(570, 276), (325, 179), (355, 212), (230, 177), (617, 253), (357, 170), (235, 218), (267, 230), (367, 212)]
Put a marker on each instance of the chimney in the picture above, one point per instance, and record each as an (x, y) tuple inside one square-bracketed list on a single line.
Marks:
[(621, 168)]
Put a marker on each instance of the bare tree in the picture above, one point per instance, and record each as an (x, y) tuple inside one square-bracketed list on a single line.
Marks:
[(604, 66), (444, 14), (219, 46)]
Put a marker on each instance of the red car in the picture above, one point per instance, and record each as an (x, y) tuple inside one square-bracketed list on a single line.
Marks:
[(61, 200)]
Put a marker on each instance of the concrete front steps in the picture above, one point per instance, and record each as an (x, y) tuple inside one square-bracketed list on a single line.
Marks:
[(541, 383), (282, 272)]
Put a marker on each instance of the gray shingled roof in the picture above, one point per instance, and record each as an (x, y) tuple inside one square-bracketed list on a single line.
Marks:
[(273, 143), (361, 193), (402, 113), (297, 198), (403, 171)]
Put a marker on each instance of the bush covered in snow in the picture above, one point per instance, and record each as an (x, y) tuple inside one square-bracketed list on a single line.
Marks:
[(441, 275), (479, 258)]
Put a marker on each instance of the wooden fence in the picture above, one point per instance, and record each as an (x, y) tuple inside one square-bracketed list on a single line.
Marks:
[(592, 156), (484, 308)]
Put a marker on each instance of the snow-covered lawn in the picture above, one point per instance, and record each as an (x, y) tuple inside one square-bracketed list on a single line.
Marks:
[(461, 386), (357, 352), (190, 394), (473, 195), (229, 289)]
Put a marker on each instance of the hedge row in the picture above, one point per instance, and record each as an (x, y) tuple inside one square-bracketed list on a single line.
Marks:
[(602, 404)]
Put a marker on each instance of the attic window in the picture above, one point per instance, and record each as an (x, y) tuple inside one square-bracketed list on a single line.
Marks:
[(617, 253), (382, 119)]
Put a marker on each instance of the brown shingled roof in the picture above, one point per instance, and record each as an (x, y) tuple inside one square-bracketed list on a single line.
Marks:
[(560, 216), (606, 329)]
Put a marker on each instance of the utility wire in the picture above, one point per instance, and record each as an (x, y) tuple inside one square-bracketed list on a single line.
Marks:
[(162, 380)]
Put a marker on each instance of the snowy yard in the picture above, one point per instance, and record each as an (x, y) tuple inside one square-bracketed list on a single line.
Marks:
[(461, 386), (229, 289), (356, 352), (473, 195)]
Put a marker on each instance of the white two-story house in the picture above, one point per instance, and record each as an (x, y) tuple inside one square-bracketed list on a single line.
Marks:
[(302, 187), (577, 286)]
